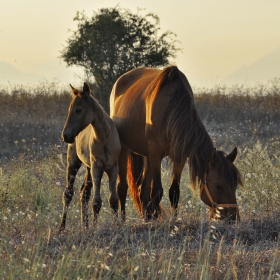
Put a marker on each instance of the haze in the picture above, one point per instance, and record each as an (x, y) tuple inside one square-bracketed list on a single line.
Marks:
[(222, 41)]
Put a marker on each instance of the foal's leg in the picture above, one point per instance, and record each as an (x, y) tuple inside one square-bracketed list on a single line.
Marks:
[(122, 182), (73, 165), (113, 199), (96, 174), (174, 190), (84, 197)]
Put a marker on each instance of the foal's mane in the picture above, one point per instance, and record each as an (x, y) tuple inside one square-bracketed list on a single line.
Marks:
[(101, 117), (184, 129)]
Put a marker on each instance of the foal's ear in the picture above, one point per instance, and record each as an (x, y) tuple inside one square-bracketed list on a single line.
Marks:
[(74, 91), (86, 89), (232, 155), (214, 157)]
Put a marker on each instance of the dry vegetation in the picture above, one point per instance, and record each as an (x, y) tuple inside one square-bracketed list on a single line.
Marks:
[(32, 178)]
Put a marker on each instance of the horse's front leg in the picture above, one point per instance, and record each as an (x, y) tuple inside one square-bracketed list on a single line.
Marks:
[(96, 174), (85, 192), (113, 198), (73, 165), (174, 190)]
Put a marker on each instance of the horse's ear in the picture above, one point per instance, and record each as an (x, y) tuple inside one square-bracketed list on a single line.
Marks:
[(86, 89), (232, 155), (74, 91), (214, 157)]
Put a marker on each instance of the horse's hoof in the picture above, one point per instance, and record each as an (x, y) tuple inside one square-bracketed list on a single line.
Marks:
[(147, 218)]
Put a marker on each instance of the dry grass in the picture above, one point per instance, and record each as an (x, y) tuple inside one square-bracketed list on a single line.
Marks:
[(32, 175)]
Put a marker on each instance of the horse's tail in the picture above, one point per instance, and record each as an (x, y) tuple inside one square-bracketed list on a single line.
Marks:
[(135, 169), (135, 165)]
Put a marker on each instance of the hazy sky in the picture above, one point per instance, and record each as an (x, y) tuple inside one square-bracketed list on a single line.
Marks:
[(217, 36)]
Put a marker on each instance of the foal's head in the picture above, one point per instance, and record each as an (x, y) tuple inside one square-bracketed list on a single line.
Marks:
[(218, 189), (80, 114)]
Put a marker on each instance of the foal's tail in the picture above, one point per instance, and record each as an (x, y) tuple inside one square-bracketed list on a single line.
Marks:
[(135, 166)]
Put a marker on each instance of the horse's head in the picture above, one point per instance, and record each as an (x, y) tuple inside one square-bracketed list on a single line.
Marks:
[(79, 114), (218, 189)]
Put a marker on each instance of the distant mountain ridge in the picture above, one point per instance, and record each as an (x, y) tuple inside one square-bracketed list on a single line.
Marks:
[(8, 73), (262, 70)]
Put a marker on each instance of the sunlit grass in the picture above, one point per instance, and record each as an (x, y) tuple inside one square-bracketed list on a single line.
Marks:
[(191, 246)]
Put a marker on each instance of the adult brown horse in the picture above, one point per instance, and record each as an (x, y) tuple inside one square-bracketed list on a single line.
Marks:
[(93, 140), (155, 116)]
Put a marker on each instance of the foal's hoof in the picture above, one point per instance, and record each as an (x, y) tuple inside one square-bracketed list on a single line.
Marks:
[(84, 227), (61, 230)]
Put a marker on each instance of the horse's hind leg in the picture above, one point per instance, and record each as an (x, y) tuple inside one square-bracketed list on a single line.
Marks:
[(152, 187), (113, 199), (73, 165), (157, 190), (96, 175), (122, 182), (174, 190), (85, 196)]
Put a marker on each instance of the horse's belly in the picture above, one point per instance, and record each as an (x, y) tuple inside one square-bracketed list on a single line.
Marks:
[(132, 135)]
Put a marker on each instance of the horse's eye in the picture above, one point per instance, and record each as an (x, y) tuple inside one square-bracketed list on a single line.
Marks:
[(219, 187), (78, 110)]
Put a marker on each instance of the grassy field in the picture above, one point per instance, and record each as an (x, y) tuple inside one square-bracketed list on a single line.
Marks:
[(32, 179)]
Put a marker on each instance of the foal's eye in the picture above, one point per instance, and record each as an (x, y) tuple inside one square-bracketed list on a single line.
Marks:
[(219, 187), (78, 110)]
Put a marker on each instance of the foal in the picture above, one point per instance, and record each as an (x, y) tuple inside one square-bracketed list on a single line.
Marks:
[(94, 141)]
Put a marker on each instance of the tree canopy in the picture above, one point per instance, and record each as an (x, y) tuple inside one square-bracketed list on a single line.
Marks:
[(113, 41)]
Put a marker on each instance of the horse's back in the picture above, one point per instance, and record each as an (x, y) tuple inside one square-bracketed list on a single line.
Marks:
[(128, 87), (139, 104), (128, 107)]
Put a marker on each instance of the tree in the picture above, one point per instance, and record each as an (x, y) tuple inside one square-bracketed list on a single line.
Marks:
[(114, 41)]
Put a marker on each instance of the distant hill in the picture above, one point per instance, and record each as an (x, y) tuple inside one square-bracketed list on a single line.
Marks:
[(49, 70), (8, 73), (268, 67)]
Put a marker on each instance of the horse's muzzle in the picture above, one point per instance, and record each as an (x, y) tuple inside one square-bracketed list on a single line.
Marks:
[(68, 137), (227, 214)]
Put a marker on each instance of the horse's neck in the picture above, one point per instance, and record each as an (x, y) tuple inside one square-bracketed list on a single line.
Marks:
[(100, 123)]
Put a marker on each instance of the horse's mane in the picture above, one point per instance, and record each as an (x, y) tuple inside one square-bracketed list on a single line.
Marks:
[(185, 130), (227, 173), (187, 134)]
